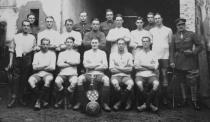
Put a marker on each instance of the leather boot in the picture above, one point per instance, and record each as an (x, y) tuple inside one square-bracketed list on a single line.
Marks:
[(12, 102)]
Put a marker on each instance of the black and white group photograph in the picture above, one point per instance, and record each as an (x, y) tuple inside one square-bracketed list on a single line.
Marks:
[(104, 60)]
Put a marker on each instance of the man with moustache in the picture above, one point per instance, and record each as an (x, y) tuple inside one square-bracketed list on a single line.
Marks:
[(184, 51)]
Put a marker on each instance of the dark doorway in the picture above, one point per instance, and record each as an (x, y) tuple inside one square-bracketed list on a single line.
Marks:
[(169, 9), (36, 13)]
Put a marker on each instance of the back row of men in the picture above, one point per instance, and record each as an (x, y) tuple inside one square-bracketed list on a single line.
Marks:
[(87, 44)]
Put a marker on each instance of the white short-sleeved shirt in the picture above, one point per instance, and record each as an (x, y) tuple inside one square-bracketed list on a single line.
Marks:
[(76, 35), (162, 36), (68, 56), (116, 33), (122, 60), (22, 44), (51, 34), (95, 58), (44, 59), (145, 58)]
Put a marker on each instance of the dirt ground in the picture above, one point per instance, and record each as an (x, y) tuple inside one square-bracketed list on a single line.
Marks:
[(26, 114)]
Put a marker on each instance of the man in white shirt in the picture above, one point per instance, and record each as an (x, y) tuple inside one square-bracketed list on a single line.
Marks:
[(162, 37), (95, 62), (49, 33), (71, 33), (43, 64), (121, 63), (67, 63), (118, 32), (136, 35), (21, 52), (146, 64)]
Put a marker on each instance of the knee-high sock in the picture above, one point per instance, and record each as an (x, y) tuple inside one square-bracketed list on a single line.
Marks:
[(106, 95)]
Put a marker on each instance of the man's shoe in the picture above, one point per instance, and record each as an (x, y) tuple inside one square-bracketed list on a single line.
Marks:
[(11, 103), (153, 108), (142, 107), (37, 105), (45, 104), (106, 107), (22, 102), (116, 107), (128, 106), (196, 106), (58, 104), (69, 106), (77, 106)]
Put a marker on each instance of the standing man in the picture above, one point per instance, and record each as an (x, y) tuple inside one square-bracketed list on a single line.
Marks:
[(162, 37), (83, 26), (150, 21), (49, 33), (95, 62), (136, 35), (184, 51), (109, 23), (71, 33), (67, 63), (21, 49), (34, 28), (118, 32), (94, 33), (121, 63), (146, 64), (43, 64)]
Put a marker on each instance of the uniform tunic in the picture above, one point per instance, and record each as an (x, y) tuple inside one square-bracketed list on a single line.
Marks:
[(179, 45)]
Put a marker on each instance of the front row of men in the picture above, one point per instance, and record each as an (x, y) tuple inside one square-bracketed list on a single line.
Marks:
[(95, 61)]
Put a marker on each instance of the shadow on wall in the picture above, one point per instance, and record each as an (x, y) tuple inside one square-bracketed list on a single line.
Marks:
[(31, 7)]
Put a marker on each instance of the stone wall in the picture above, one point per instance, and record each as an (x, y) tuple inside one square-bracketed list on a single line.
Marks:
[(187, 11)]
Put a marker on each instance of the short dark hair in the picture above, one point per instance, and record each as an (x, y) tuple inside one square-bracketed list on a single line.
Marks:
[(68, 20), (158, 14), (49, 17), (25, 21), (150, 13), (120, 39), (140, 18), (45, 39), (30, 15), (95, 19), (109, 10), (119, 15), (83, 12), (71, 38), (96, 38), (146, 37)]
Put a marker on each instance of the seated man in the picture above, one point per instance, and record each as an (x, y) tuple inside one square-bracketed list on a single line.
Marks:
[(43, 64), (121, 63), (95, 62), (146, 64), (67, 62)]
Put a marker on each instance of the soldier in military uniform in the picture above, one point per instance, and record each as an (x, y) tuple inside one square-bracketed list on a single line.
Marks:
[(184, 51)]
